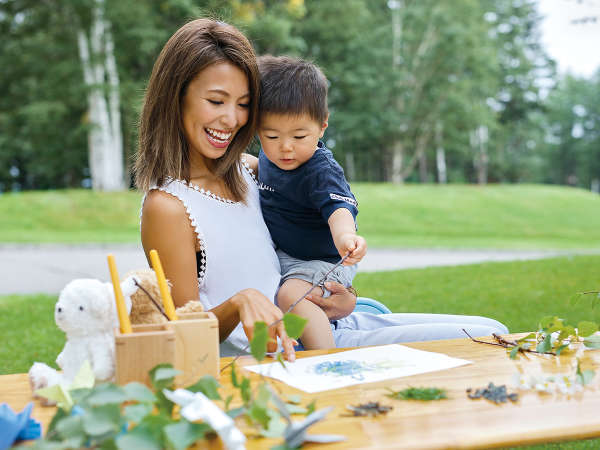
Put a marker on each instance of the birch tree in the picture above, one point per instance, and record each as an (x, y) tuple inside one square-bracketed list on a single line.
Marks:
[(105, 139)]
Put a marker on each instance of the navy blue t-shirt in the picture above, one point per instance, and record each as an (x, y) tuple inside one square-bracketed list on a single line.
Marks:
[(296, 204)]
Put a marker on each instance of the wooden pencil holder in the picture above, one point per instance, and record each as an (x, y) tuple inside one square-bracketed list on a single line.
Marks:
[(138, 352), (190, 345), (196, 346)]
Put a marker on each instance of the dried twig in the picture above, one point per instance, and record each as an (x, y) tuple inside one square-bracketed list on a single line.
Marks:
[(507, 344), (160, 308)]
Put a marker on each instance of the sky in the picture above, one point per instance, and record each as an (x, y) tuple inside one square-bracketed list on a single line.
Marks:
[(570, 34)]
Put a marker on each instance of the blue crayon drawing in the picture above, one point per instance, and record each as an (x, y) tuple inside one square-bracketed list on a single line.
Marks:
[(353, 369)]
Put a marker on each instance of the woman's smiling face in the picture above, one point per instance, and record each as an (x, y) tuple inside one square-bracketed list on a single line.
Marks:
[(215, 107)]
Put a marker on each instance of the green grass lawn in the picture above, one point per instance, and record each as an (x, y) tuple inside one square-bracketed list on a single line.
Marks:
[(451, 216), (70, 216), (494, 216), (515, 293)]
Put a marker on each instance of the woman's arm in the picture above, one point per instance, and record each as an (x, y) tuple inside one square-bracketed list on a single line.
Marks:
[(166, 227)]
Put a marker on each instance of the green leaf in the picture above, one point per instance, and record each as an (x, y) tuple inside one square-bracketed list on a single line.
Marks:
[(294, 325), (80, 395), (263, 396), (102, 420), (310, 408), (208, 385), (163, 377), (275, 427), (227, 401), (71, 426), (550, 324), (584, 377), (108, 444), (295, 409), (586, 328), (107, 394), (592, 341), (139, 439), (183, 434), (565, 333), (165, 373), (58, 416), (234, 379), (136, 413), (526, 338), (259, 414), (258, 344), (514, 351), (280, 360), (545, 345), (561, 348), (139, 392), (245, 390)]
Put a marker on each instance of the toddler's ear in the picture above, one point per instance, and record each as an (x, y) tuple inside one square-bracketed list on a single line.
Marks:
[(324, 126)]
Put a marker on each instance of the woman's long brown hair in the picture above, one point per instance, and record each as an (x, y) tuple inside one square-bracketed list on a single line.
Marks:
[(163, 150)]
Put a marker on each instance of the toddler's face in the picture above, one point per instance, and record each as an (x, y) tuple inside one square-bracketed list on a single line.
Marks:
[(289, 141)]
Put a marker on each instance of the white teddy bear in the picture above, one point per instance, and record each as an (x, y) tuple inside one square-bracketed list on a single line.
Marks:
[(86, 312)]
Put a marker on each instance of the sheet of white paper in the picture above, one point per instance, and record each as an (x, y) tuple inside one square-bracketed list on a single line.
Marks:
[(363, 365)]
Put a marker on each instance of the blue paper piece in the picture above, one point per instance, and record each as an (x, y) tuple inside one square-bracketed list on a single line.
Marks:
[(17, 426)]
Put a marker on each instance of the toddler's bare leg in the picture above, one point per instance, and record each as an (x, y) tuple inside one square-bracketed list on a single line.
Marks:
[(317, 333)]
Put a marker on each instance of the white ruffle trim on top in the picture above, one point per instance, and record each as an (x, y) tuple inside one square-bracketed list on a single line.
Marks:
[(193, 222)]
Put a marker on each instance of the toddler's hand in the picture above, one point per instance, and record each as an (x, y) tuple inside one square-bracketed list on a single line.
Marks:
[(353, 244)]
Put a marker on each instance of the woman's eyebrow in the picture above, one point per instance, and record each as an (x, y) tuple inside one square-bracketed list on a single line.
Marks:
[(225, 93)]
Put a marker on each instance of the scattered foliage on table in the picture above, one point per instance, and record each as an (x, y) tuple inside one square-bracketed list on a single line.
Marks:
[(416, 393), (370, 409), (493, 393), (134, 416), (131, 416)]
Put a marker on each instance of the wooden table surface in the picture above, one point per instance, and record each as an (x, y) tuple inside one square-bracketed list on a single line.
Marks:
[(457, 422)]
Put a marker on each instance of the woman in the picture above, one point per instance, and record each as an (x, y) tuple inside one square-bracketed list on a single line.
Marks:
[(202, 213)]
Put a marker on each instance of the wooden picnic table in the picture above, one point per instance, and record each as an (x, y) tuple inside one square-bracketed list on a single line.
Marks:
[(457, 422)]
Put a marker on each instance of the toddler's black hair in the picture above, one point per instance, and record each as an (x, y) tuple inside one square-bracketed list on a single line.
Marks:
[(292, 86)]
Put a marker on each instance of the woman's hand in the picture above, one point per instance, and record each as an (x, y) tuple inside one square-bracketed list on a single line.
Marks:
[(252, 307), (340, 304)]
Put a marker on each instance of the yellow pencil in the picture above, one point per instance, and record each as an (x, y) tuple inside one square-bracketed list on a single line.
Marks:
[(121, 308), (162, 284)]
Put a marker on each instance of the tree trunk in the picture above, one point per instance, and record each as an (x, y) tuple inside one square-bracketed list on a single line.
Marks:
[(350, 167), (479, 140), (423, 167), (440, 154), (105, 139), (397, 146), (397, 159)]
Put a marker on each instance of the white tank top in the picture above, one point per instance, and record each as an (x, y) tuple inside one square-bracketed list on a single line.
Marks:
[(236, 244)]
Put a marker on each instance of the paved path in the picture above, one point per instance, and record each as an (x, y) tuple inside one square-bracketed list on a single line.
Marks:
[(27, 269)]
